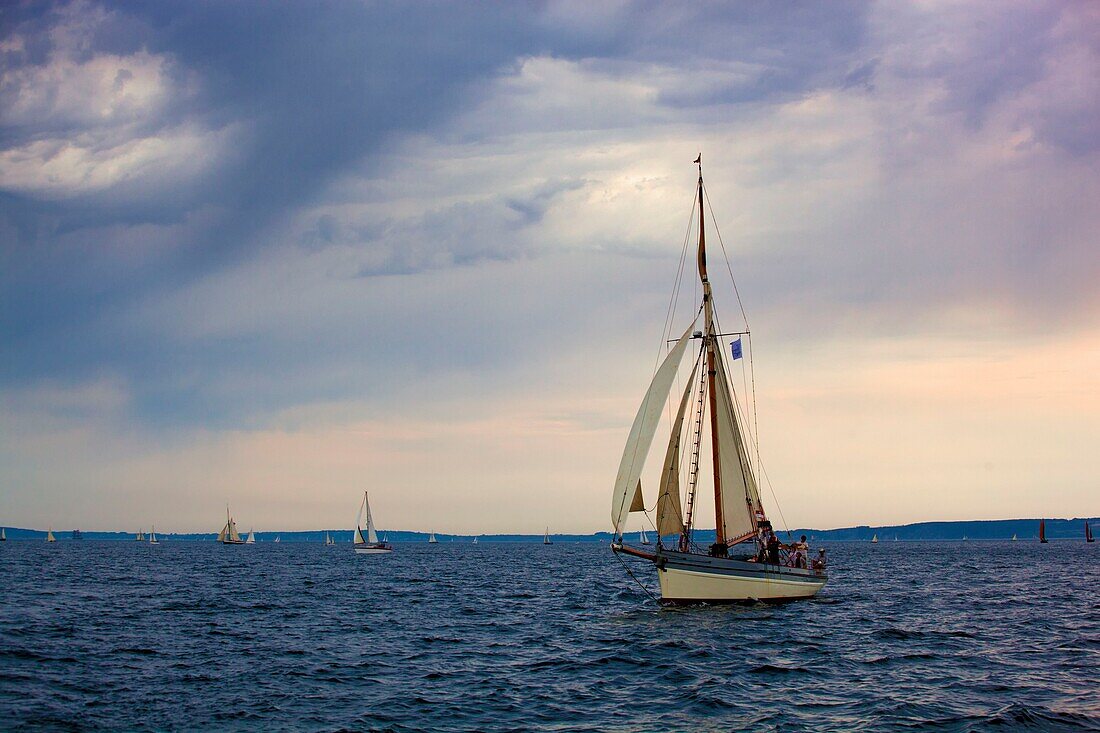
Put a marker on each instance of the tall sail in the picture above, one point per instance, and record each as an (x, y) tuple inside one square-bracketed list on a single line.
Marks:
[(372, 536), (670, 517), (642, 430), (49, 535), (740, 496)]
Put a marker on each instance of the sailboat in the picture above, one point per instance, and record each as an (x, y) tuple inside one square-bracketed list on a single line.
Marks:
[(874, 540), (1088, 533), (1013, 537), (1043, 531), (153, 536), (278, 539), (475, 540), (368, 545), (3, 536), (139, 537), (228, 535), (690, 573), (329, 540), (546, 537), (642, 537), (49, 535), (251, 538), (432, 539)]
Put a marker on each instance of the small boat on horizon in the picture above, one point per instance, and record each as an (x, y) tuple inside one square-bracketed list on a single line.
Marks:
[(546, 537), (431, 539), (3, 536), (1042, 531), (368, 545), (229, 535), (278, 539), (874, 540), (251, 538), (642, 537), (475, 540), (1088, 533), (328, 540), (1013, 537), (153, 536), (49, 535), (691, 573), (139, 537)]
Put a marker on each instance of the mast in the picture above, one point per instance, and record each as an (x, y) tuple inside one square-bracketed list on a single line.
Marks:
[(711, 342)]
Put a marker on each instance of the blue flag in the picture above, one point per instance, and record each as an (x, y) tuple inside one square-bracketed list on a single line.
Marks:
[(735, 348)]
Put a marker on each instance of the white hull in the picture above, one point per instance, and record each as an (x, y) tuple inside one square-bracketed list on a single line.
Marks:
[(373, 550), (693, 586)]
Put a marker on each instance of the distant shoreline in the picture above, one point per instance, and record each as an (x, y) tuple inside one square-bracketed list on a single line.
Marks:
[(975, 530)]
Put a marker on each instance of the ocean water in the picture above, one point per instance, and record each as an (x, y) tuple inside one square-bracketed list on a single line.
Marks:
[(521, 637)]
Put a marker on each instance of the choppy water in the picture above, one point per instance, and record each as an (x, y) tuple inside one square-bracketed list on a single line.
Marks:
[(495, 637)]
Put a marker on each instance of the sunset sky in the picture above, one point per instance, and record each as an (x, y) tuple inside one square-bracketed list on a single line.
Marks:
[(274, 254)]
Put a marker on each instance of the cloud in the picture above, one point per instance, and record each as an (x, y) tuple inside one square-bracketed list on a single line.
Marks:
[(254, 225)]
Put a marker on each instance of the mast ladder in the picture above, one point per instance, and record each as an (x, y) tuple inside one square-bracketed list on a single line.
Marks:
[(693, 470)]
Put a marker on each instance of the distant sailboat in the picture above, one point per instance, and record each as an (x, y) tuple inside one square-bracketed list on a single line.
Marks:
[(475, 540), (895, 538), (546, 537), (642, 537), (251, 538), (3, 537), (874, 540), (1088, 533), (139, 537), (1013, 538), (368, 545), (153, 536), (228, 535), (329, 540), (432, 539), (1043, 531), (278, 539), (965, 538), (49, 535)]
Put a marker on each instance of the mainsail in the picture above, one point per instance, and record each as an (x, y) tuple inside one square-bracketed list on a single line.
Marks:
[(740, 497), (670, 518), (641, 432)]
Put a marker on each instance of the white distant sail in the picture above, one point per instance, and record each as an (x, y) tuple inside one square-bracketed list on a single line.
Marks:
[(251, 538), (279, 539), (431, 538), (642, 537), (328, 539), (546, 537), (49, 535), (1013, 538), (874, 539), (139, 537), (228, 535), (153, 536), (475, 540), (3, 536)]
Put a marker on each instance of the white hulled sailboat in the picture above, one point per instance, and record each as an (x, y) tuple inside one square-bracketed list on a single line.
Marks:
[(139, 537), (369, 545), (328, 540), (153, 536), (689, 573), (432, 539), (643, 538), (228, 535), (251, 538), (49, 535), (546, 537), (3, 535), (874, 540)]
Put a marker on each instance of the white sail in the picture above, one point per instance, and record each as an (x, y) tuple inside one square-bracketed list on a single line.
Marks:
[(279, 538), (357, 538), (3, 535), (153, 536), (670, 518), (432, 538), (642, 430), (740, 497), (875, 538), (251, 538), (1013, 538), (372, 536), (546, 537), (475, 540), (49, 535)]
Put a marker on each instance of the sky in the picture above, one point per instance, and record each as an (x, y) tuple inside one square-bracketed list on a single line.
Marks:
[(277, 254)]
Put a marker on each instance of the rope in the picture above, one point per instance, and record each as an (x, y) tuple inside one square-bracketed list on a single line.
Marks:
[(635, 577)]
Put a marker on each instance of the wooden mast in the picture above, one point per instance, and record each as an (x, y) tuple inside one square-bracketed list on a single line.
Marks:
[(712, 356)]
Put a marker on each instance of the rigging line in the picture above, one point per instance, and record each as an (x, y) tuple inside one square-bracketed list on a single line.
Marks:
[(635, 577), (725, 256)]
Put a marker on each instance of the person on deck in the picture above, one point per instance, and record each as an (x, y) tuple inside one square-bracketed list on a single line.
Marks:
[(773, 548)]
